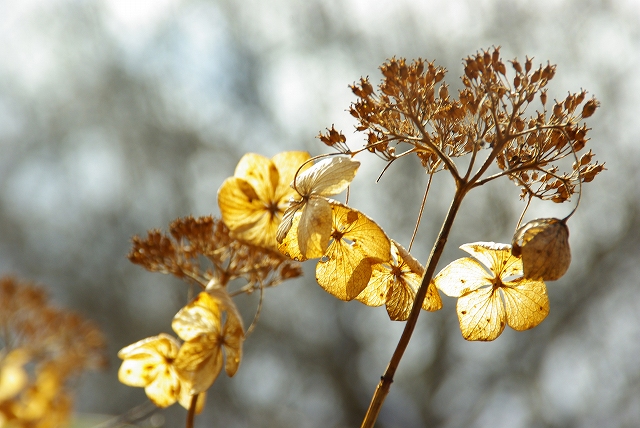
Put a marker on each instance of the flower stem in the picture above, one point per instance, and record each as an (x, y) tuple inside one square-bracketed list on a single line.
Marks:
[(382, 390), (191, 414)]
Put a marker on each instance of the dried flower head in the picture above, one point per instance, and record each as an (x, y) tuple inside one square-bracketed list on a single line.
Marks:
[(543, 244), (192, 241), (311, 211), (253, 201), (209, 324), (395, 283), (356, 244), (491, 290)]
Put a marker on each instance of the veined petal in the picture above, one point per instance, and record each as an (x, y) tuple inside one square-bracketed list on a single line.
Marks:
[(314, 228), (481, 314), (200, 361), (240, 205), (165, 388), (287, 164), (261, 173), (328, 177), (461, 277), (526, 303), (496, 257), (145, 359), (345, 272), (201, 316)]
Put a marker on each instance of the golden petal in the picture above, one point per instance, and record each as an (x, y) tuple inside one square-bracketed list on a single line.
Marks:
[(240, 205), (328, 177), (400, 299), (345, 272), (481, 314), (287, 164), (201, 316), (261, 173), (526, 303), (461, 277), (200, 361), (314, 228), (165, 388), (375, 293), (496, 257)]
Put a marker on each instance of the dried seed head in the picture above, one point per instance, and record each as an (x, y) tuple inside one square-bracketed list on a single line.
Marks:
[(544, 246)]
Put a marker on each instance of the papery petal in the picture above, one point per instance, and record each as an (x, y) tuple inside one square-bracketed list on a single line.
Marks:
[(146, 358), (240, 206), (345, 272), (201, 316), (399, 301), (462, 276), (375, 293), (496, 257), (287, 164), (165, 388), (261, 173), (328, 177), (200, 362), (481, 314), (526, 303), (314, 228)]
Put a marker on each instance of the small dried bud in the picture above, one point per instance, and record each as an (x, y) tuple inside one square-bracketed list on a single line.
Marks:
[(527, 65), (516, 66), (543, 97), (443, 93), (557, 110), (590, 107), (544, 246)]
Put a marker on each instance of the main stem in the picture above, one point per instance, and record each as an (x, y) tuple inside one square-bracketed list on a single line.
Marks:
[(382, 390)]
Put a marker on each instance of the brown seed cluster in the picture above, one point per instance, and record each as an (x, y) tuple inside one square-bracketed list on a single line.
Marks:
[(413, 107), (192, 241)]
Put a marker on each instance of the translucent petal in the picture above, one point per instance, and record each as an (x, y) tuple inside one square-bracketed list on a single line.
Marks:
[(261, 173), (400, 299), (287, 164), (200, 361), (375, 293), (526, 303), (165, 388), (201, 316), (144, 359), (357, 244), (240, 206), (496, 257), (328, 177), (314, 228), (432, 300), (481, 314), (287, 220), (345, 272), (462, 276)]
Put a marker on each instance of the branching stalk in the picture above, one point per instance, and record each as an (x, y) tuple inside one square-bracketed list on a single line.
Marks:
[(382, 390)]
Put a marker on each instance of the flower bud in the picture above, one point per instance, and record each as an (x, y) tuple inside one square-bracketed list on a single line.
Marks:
[(543, 245)]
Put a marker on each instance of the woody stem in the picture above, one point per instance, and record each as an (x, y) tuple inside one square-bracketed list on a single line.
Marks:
[(382, 390)]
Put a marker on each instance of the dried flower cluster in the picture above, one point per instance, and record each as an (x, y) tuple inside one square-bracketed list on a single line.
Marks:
[(44, 350), (285, 204)]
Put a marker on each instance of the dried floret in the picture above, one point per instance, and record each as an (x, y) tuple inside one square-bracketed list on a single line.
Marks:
[(492, 292), (543, 244)]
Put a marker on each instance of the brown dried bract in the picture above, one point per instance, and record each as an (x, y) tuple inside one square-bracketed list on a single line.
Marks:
[(543, 245), (194, 241)]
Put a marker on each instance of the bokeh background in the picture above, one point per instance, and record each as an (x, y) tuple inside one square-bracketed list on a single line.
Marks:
[(118, 116)]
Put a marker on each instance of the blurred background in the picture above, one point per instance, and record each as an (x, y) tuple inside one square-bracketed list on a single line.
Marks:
[(117, 116)]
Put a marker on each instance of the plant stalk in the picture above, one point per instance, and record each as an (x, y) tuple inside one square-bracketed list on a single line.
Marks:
[(382, 390)]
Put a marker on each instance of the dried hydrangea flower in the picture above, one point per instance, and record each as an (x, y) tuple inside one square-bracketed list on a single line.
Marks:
[(492, 292), (543, 244)]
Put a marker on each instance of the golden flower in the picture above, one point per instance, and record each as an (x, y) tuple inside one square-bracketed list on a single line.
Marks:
[(491, 290), (253, 201), (149, 363), (201, 325), (395, 283), (356, 243), (309, 215)]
